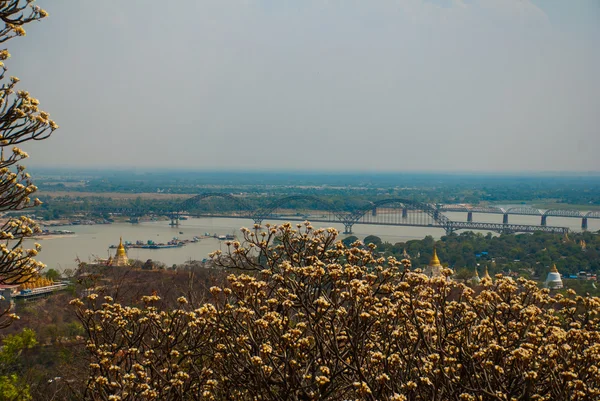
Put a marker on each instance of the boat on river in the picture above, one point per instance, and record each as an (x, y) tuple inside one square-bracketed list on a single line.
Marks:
[(55, 232), (174, 243), (160, 246)]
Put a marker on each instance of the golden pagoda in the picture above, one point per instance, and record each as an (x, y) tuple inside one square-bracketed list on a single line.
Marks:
[(486, 274), (475, 279), (120, 258), (435, 261), (434, 269), (36, 281), (405, 254)]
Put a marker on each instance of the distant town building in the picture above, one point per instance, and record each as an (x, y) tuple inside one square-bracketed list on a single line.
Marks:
[(120, 258), (554, 281)]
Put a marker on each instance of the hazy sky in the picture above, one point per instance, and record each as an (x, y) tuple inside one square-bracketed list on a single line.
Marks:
[(396, 85)]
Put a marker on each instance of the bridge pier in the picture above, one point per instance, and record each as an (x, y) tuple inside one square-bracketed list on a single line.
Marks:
[(348, 228), (544, 218), (470, 217), (505, 218), (257, 220), (404, 212), (374, 212), (584, 223)]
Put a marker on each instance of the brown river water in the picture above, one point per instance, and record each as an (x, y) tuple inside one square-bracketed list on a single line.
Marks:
[(93, 241)]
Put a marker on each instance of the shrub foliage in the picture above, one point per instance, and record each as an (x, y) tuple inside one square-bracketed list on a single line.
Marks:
[(314, 319), (21, 120)]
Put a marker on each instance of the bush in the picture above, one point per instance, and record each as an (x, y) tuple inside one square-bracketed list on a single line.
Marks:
[(313, 319)]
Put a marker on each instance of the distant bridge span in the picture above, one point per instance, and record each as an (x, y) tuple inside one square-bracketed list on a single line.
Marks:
[(395, 212), (523, 210)]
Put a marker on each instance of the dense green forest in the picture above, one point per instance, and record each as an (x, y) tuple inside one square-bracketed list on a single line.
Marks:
[(430, 187), (344, 192), (531, 255)]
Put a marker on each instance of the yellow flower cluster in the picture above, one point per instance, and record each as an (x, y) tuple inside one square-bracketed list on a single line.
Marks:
[(312, 319), (22, 120)]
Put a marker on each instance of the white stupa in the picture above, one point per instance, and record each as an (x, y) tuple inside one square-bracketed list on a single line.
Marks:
[(553, 281), (475, 280)]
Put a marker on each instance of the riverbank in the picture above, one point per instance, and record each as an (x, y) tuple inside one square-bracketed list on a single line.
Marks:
[(72, 222), (53, 236)]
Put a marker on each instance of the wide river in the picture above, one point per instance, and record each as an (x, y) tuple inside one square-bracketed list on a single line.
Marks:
[(91, 242)]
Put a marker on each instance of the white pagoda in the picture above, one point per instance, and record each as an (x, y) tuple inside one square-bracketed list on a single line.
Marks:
[(554, 281), (475, 280)]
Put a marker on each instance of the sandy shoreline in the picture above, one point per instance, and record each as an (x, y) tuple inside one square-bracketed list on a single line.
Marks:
[(53, 236)]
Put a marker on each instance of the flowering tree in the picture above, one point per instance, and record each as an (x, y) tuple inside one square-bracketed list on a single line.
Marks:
[(314, 319), (21, 120)]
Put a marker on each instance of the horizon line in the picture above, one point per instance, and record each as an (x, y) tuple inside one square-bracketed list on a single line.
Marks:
[(292, 171)]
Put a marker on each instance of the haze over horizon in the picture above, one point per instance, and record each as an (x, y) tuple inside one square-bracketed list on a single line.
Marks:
[(384, 85)]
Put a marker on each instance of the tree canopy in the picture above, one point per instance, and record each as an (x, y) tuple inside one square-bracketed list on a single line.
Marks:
[(531, 254)]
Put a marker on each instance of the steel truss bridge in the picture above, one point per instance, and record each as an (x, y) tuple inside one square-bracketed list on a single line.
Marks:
[(394, 212), (523, 211)]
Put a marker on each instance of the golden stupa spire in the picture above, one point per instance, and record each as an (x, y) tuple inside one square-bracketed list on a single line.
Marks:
[(121, 256), (435, 261), (486, 274), (476, 273), (554, 269), (121, 248)]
